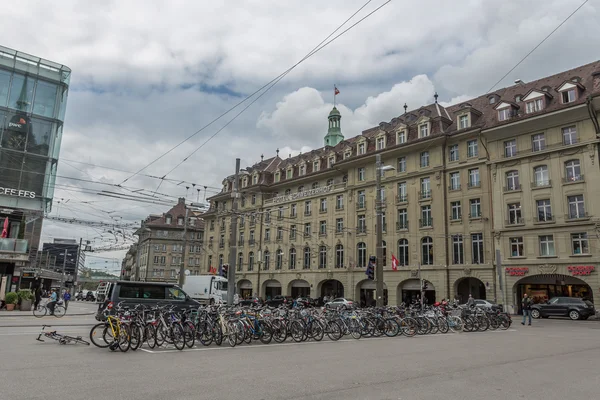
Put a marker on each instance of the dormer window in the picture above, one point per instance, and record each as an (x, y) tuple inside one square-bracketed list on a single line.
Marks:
[(315, 166), (329, 182), (423, 130), (380, 143), (361, 148), (463, 121), (277, 176), (168, 220), (534, 105), (492, 100), (245, 182), (401, 138), (504, 114), (179, 220), (255, 179), (288, 192), (300, 189), (290, 173), (347, 154), (330, 161), (315, 185), (302, 170), (517, 99), (569, 96)]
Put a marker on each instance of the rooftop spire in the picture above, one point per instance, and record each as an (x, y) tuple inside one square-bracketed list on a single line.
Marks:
[(334, 133)]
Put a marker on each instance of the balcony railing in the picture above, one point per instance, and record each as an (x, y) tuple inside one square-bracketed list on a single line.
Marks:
[(542, 183), (454, 187), (474, 184), (425, 195), (293, 237), (306, 234), (456, 217), (512, 188), (401, 225), (293, 214), (323, 233), (221, 245), (240, 242), (544, 218), (361, 229), (251, 242), (515, 221), (339, 207), (476, 214), (426, 222), (14, 245), (322, 210), (279, 217), (574, 178), (361, 205), (576, 216), (307, 213), (401, 198)]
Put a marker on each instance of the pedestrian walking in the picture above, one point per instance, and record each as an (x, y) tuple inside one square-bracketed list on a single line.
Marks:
[(526, 306), (66, 298), (471, 301)]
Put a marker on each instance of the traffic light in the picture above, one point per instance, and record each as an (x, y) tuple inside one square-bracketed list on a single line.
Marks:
[(224, 270), (371, 268)]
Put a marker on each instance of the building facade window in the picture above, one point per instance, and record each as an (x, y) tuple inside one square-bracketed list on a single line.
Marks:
[(463, 122), (402, 219), (514, 214), (477, 248), (544, 210), (307, 229), (402, 164), (402, 193), (427, 250), (292, 262), (339, 256), (380, 143), (568, 96), (458, 250), (474, 180), (569, 135), (323, 205), (425, 188), (361, 148), (455, 181), (573, 171), (339, 225), (293, 210), (306, 263), (516, 246), (512, 180), (472, 148), (322, 257), (538, 142), (424, 159), (307, 207), (547, 245), (534, 106), (339, 202), (576, 207), (278, 259), (541, 176), (361, 224), (361, 256), (323, 228), (453, 153), (403, 252), (361, 174), (579, 243), (456, 213), (423, 130), (401, 137), (504, 114), (426, 219), (510, 148)]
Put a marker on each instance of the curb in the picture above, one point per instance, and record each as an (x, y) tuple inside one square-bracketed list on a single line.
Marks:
[(11, 314)]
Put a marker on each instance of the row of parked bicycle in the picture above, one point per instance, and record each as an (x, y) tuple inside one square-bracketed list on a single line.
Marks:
[(127, 328)]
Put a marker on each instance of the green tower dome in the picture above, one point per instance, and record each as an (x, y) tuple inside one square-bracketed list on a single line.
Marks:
[(334, 133)]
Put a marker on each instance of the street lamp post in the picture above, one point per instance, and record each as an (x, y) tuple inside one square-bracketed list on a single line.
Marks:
[(379, 170)]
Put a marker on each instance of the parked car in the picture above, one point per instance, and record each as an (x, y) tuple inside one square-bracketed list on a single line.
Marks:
[(276, 301), (572, 307), (130, 294), (252, 301), (488, 304), (340, 302)]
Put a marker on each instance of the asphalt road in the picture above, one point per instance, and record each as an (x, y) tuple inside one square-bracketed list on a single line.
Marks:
[(553, 359)]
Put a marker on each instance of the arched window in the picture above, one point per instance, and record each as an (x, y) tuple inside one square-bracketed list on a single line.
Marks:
[(278, 259), (384, 252), (573, 171), (345, 179), (292, 263), (251, 261), (315, 185), (403, 252), (240, 262), (339, 256), (329, 182), (300, 189), (267, 260), (306, 264), (512, 180), (540, 176), (361, 257), (427, 250), (287, 192), (322, 257)]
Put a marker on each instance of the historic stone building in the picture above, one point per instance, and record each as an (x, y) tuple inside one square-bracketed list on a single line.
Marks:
[(160, 251), (307, 223)]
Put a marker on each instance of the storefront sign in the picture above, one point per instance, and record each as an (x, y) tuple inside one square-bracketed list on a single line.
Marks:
[(581, 270), (17, 193), (517, 271), (299, 195)]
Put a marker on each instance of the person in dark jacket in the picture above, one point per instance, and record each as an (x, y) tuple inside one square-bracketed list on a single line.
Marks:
[(526, 307)]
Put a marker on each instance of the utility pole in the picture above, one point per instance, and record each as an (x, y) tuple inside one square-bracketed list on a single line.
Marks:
[(62, 279), (499, 272), (233, 236), (260, 241), (420, 284), (182, 266), (75, 278), (379, 233)]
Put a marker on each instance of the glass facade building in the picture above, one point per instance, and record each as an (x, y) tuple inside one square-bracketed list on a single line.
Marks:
[(33, 99)]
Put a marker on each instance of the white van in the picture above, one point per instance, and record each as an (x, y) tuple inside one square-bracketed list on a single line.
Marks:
[(207, 289)]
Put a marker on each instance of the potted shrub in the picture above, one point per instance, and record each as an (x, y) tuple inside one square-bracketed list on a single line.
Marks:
[(26, 299), (11, 300)]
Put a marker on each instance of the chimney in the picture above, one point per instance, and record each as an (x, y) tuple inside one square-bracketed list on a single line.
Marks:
[(277, 152), (181, 200), (405, 108), (262, 157), (435, 96)]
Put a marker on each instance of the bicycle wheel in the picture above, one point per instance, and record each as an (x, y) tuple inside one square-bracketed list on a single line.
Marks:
[(59, 311), (355, 328), (391, 327), (124, 337), (190, 333), (232, 333), (137, 336), (97, 335), (279, 331), (334, 330), (177, 336), (40, 311), (204, 333), (150, 335)]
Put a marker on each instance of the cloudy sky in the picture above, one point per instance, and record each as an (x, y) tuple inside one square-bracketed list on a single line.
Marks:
[(147, 75)]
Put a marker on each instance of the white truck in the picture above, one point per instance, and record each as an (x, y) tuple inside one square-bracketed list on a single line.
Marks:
[(207, 289)]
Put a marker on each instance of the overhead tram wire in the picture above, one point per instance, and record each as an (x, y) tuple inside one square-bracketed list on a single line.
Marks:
[(538, 45), (266, 87)]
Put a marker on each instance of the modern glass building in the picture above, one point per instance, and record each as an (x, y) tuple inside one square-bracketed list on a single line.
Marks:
[(33, 99)]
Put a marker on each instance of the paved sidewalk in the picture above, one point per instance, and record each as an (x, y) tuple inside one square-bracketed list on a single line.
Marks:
[(4, 313)]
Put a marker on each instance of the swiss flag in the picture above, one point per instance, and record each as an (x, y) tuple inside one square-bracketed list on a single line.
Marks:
[(336, 91), (394, 263)]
